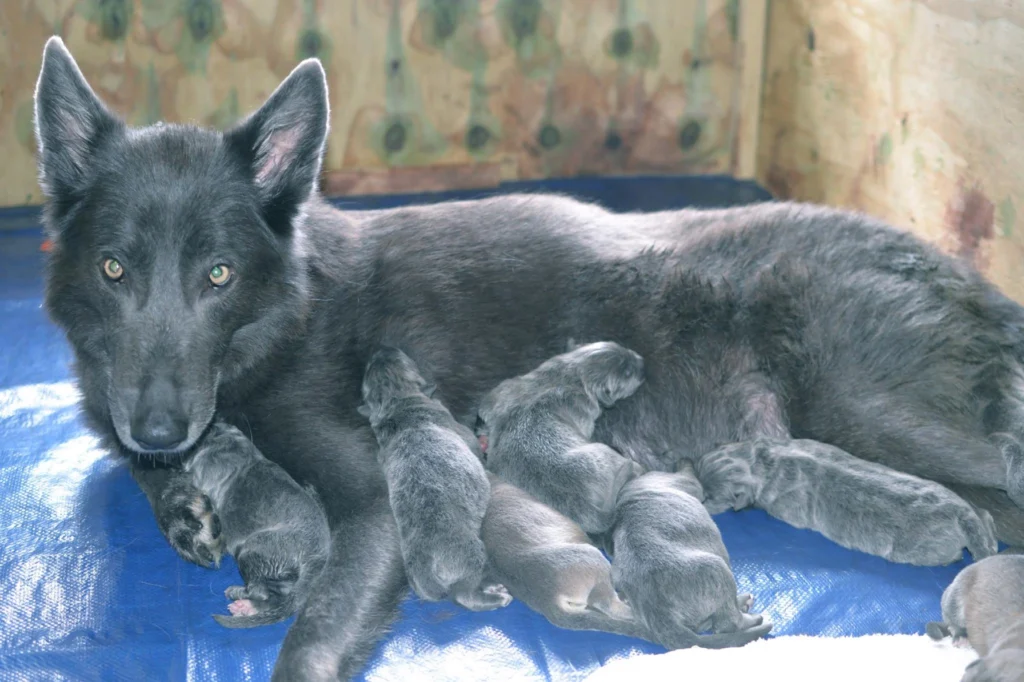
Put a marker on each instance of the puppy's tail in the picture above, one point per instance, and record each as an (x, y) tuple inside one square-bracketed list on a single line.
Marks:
[(721, 640), (603, 599), (937, 630)]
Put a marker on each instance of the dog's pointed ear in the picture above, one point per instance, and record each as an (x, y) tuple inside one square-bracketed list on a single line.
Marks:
[(364, 410), (429, 390), (282, 143), (70, 122)]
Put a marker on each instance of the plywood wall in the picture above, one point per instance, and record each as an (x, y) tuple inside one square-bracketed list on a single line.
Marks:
[(425, 94), (911, 110)]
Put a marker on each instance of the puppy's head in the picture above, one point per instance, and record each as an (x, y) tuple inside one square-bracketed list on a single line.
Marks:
[(610, 372), (727, 480), (391, 374)]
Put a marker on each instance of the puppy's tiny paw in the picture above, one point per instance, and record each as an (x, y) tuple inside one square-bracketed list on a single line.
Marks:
[(191, 525), (236, 592), (745, 601), (500, 593), (242, 607)]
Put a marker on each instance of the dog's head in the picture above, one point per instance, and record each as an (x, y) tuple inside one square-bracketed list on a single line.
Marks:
[(390, 374), (177, 262), (610, 372)]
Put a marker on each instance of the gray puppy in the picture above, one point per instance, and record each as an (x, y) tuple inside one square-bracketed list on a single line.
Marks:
[(538, 429), (671, 565), (547, 562), (985, 604), (436, 484), (274, 528), (855, 503)]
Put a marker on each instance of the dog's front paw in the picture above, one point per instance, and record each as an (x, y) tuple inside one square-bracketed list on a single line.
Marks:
[(190, 524)]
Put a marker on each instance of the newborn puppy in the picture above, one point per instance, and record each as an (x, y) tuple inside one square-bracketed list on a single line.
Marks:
[(673, 569), (1005, 661), (855, 503), (985, 604), (437, 486), (538, 429), (276, 530), (547, 562)]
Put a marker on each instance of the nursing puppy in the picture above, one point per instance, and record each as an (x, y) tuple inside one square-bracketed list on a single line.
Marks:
[(275, 529), (855, 503), (547, 562), (1005, 660), (437, 486), (538, 430), (985, 604), (673, 569)]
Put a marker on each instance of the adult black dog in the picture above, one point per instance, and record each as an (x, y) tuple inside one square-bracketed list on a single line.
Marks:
[(196, 272)]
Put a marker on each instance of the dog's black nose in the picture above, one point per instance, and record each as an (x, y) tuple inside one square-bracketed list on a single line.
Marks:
[(159, 422), (159, 431)]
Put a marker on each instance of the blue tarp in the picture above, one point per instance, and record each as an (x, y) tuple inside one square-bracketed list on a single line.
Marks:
[(89, 590)]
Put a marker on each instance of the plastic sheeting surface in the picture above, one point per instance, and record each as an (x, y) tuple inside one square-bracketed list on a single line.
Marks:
[(89, 590)]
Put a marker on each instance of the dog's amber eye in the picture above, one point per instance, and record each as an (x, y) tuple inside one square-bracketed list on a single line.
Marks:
[(112, 269), (219, 275)]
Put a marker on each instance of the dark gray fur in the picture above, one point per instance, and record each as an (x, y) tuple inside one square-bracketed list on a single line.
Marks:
[(776, 319), (437, 486), (539, 429), (275, 529), (547, 562), (672, 567), (857, 504), (985, 604)]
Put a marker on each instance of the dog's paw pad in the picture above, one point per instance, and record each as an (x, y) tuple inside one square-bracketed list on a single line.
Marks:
[(191, 525), (242, 607)]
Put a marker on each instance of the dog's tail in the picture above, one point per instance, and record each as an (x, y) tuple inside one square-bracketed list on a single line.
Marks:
[(281, 611)]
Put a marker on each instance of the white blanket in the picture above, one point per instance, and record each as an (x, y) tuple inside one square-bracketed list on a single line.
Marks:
[(873, 658)]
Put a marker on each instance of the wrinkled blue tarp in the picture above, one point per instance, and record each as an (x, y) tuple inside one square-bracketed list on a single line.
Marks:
[(89, 590)]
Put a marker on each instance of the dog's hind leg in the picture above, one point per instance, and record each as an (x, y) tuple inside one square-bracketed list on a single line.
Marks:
[(354, 601)]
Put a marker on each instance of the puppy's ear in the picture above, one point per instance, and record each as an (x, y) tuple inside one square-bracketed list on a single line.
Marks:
[(364, 410), (429, 390), (282, 143), (70, 123)]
